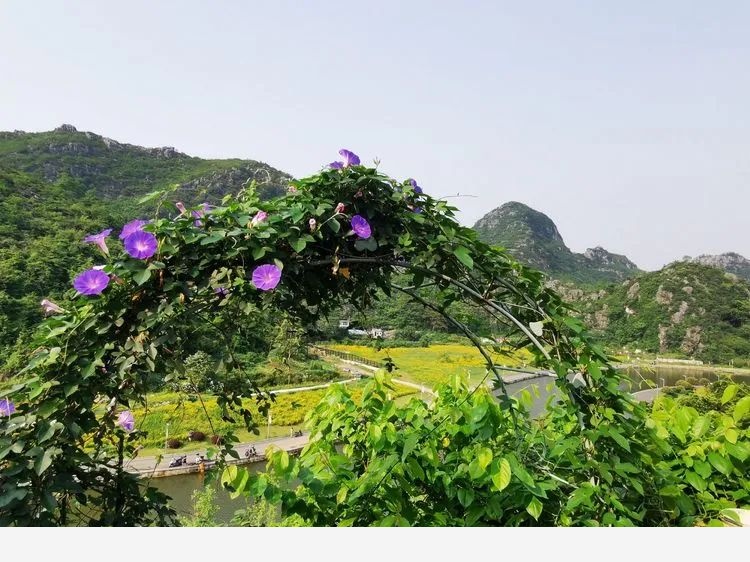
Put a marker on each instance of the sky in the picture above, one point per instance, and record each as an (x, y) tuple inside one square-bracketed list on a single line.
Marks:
[(628, 123)]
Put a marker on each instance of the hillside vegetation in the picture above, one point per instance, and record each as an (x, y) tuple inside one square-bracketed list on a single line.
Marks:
[(41, 228), (686, 308)]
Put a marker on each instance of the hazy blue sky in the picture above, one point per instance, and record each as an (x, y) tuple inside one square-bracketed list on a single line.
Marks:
[(627, 122)]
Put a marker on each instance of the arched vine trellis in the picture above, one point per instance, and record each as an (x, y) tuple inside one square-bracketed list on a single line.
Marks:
[(338, 236)]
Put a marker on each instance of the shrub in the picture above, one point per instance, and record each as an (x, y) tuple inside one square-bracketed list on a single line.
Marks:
[(217, 439), (174, 443), (196, 436)]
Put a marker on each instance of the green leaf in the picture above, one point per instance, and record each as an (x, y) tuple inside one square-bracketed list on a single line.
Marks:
[(475, 469), (140, 277), (702, 468), (334, 225), (700, 426), (534, 508), (370, 244), (409, 444), (521, 473), (741, 408), (731, 435), (297, 244), (42, 462), (619, 439), (722, 464), (259, 252), (341, 496), (581, 495), (695, 481), (465, 496), (213, 237), (462, 253), (729, 393), (484, 457), (501, 478), (375, 432)]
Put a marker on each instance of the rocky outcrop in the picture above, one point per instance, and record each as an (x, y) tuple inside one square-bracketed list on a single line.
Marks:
[(691, 343), (679, 316), (730, 262), (662, 296), (633, 291)]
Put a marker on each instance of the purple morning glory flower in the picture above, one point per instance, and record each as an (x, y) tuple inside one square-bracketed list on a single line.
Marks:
[(221, 291), (50, 308), (91, 282), (361, 227), (181, 207), (98, 239), (350, 159), (141, 245), (131, 227), (126, 421), (417, 210), (6, 407), (266, 277), (415, 187), (259, 217)]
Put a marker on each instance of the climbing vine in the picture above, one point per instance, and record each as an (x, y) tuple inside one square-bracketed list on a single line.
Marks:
[(345, 235)]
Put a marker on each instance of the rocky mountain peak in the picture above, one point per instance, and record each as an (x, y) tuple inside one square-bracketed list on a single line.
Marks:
[(533, 238)]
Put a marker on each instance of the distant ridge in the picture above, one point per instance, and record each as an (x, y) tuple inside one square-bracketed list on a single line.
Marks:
[(114, 169)]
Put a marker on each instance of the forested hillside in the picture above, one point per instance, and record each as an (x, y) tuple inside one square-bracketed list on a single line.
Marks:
[(686, 308)]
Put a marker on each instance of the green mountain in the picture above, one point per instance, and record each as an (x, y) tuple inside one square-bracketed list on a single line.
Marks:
[(115, 170), (533, 238), (686, 308)]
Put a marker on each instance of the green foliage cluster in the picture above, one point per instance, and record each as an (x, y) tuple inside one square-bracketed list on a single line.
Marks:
[(707, 448), (718, 396), (715, 326), (465, 460)]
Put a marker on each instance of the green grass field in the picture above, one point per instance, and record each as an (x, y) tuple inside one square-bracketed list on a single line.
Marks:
[(435, 364)]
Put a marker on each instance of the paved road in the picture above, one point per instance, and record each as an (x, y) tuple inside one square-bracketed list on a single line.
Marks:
[(148, 465)]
